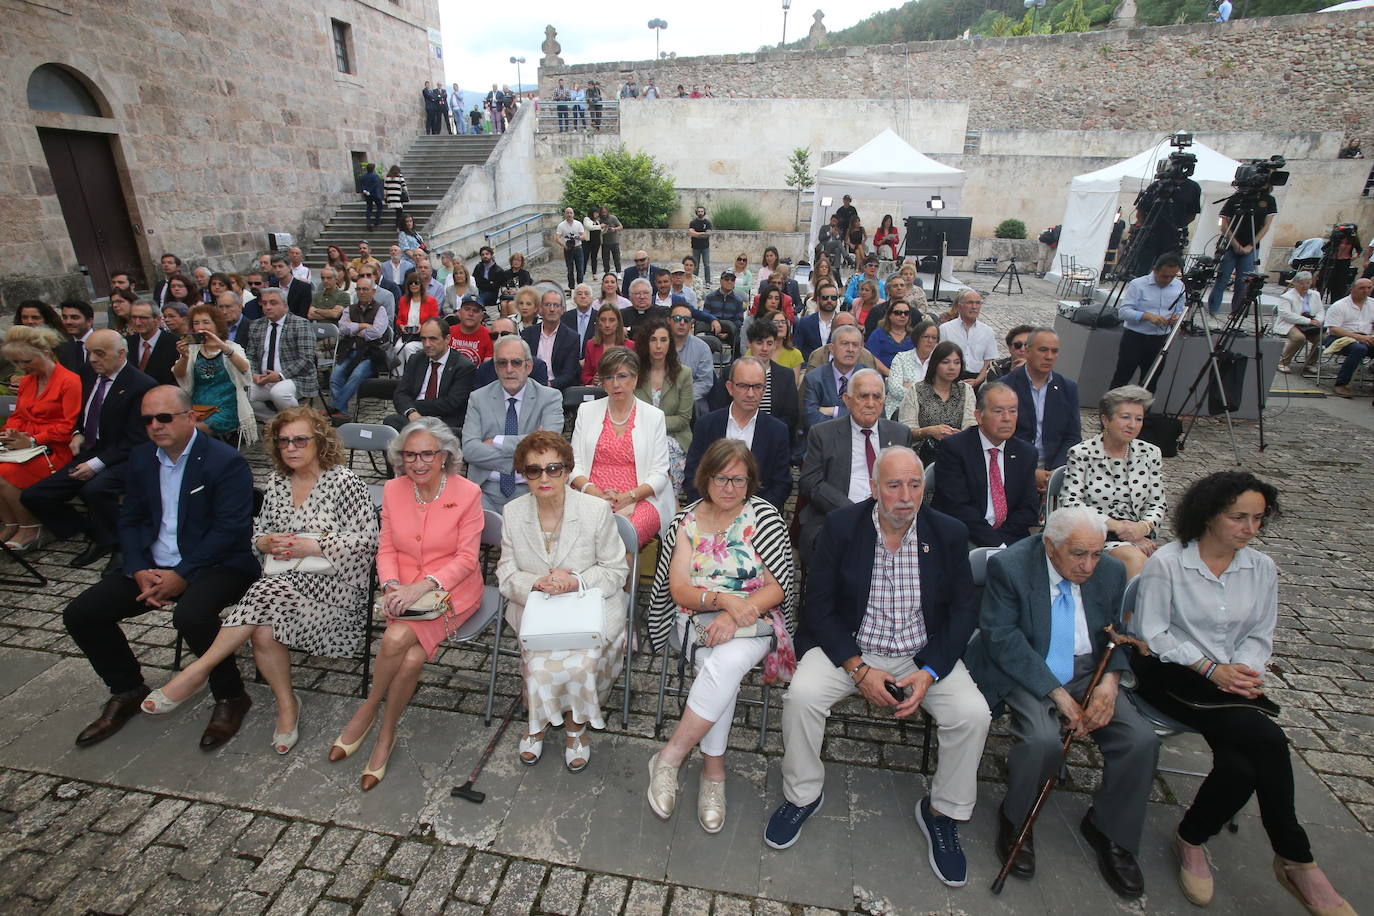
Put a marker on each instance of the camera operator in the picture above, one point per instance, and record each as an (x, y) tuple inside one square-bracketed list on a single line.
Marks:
[(571, 234), (1245, 218), (1175, 200)]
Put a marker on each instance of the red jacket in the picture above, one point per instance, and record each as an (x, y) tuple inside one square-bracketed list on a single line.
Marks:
[(428, 309)]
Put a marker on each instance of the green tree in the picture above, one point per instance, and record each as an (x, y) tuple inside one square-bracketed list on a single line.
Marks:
[(1001, 26), (799, 175), (1073, 19), (633, 185)]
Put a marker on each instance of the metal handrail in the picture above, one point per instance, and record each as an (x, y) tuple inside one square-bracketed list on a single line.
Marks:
[(606, 120), (474, 232), (495, 238)]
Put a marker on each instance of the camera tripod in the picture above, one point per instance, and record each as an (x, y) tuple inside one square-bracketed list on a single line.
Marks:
[(1158, 193), (1010, 274)]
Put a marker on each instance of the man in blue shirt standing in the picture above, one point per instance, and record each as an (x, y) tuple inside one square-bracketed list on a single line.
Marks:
[(1152, 305), (1223, 11)]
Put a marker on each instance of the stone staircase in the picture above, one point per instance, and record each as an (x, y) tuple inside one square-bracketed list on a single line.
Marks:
[(430, 167)]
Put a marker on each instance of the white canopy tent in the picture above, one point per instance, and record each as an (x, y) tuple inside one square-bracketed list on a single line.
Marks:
[(1094, 197), (886, 168)]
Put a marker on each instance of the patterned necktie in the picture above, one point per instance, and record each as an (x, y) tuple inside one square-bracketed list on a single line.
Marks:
[(869, 454), (91, 429), (432, 389), (844, 385), (512, 429), (143, 360), (1060, 655), (999, 495)]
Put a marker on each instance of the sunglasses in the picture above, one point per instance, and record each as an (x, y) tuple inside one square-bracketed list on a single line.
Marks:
[(508, 363), (259, 283), (553, 471), (1018, 345), (830, 298), (497, 335), (293, 442), (896, 312), (682, 319), (164, 418)]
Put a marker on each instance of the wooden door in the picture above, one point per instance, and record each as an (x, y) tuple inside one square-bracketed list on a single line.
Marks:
[(92, 198)]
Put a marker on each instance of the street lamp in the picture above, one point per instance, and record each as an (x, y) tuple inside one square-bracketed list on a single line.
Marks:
[(658, 25), (786, 5), (517, 61), (1035, 6)]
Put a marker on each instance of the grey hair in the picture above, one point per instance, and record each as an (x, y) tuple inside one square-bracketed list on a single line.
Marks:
[(270, 291), (561, 300), (893, 449), (847, 327), (229, 292), (524, 344), (895, 278), (990, 387), (587, 286), (1064, 522), (640, 281), (1126, 394), (448, 443), (865, 372), (752, 360), (1036, 332), (963, 294), (1302, 275)]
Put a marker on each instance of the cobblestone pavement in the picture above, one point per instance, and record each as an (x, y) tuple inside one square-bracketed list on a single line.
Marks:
[(106, 839)]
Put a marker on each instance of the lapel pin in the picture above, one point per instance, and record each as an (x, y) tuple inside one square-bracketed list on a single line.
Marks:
[(925, 548)]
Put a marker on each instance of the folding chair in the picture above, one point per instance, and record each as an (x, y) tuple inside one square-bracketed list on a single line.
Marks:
[(371, 438), (326, 345), (573, 396), (1052, 490)]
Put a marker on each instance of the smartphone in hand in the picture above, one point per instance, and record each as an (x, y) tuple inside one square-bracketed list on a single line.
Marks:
[(898, 693)]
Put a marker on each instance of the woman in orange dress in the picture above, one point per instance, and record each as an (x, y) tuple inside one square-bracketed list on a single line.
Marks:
[(47, 411), (431, 528)]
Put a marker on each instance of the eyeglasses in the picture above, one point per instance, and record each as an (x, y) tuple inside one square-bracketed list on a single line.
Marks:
[(899, 313), (508, 363), (424, 457), (293, 442), (553, 471), (163, 418), (497, 335), (618, 377), (1018, 345), (255, 285), (682, 319), (723, 482), (830, 298), (748, 386)]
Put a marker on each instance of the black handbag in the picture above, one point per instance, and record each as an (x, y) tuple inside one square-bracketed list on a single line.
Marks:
[(1096, 315), (1162, 431)]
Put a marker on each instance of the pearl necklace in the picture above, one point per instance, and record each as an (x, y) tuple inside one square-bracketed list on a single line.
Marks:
[(443, 482), (615, 422)]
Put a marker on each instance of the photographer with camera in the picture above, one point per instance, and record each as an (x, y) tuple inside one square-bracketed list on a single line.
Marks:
[(571, 234), (1164, 210), (1245, 218)]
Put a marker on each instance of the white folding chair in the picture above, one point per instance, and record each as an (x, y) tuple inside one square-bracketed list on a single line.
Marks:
[(372, 438)]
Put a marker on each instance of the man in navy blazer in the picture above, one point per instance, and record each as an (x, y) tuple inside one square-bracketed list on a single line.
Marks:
[(964, 488), (889, 611), (640, 268), (813, 330), (186, 534), (565, 348), (822, 398), (1048, 416), (767, 436), (1045, 606)]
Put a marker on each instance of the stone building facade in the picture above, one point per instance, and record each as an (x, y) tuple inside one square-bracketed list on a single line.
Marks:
[(1281, 73), (133, 128)]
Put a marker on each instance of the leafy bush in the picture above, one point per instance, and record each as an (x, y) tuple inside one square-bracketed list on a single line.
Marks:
[(1010, 229), (633, 185), (736, 214)]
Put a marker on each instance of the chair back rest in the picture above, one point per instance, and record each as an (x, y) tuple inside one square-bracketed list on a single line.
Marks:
[(325, 329), (1128, 603), (370, 437), (574, 395), (978, 563), (491, 528), (628, 535), (1052, 490), (7, 405)]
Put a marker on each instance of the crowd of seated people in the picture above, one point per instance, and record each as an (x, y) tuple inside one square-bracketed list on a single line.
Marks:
[(916, 444)]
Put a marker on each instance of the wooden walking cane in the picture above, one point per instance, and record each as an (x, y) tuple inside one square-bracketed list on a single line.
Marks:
[(1114, 640)]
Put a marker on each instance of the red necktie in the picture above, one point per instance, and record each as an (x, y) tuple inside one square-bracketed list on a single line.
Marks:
[(432, 389), (143, 360), (999, 495), (869, 455)]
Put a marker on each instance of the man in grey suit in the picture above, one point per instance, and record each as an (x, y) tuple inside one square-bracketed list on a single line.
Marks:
[(840, 454), (823, 390), (502, 413), (281, 357), (1045, 605)]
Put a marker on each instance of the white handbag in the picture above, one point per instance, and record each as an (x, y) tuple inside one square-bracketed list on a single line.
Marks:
[(271, 566), (569, 621)]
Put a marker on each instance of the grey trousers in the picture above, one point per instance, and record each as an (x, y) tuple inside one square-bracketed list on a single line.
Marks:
[(1129, 748)]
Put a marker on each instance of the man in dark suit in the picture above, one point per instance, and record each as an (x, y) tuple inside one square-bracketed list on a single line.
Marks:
[(108, 428), (436, 381), (767, 437), (780, 396), (186, 533), (832, 476), (640, 269), (1048, 412), (986, 478), (151, 349), (641, 307), (889, 610), (582, 320), (257, 282), (77, 318), (171, 266), (298, 292), (1041, 637), (823, 388), (813, 331), (234, 319), (554, 342)]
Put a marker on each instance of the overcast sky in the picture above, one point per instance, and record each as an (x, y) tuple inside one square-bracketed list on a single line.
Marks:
[(481, 38)]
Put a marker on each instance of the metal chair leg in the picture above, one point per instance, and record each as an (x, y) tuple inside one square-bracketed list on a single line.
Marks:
[(662, 689), (763, 726), (495, 659)]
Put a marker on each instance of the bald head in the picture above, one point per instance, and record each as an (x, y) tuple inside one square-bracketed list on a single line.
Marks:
[(106, 351)]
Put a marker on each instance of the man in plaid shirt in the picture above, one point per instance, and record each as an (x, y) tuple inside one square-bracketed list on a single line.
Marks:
[(889, 610)]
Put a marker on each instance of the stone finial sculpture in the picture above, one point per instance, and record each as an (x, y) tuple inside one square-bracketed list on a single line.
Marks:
[(816, 37), (551, 47)]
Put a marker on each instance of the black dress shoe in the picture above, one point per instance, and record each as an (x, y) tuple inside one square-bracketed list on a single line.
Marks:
[(117, 711), (92, 553), (1024, 865), (225, 721), (1117, 865), (114, 564)]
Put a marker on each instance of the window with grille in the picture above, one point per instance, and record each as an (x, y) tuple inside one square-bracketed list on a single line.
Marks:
[(343, 45)]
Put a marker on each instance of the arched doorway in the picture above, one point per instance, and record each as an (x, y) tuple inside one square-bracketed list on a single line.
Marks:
[(85, 176)]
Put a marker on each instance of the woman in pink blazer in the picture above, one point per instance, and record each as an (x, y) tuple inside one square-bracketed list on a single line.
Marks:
[(431, 528)]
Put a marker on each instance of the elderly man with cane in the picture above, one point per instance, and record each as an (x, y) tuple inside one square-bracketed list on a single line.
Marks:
[(1046, 607)]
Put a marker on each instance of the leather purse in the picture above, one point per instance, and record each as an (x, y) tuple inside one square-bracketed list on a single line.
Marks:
[(433, 603), (271, 566), (573, 620)]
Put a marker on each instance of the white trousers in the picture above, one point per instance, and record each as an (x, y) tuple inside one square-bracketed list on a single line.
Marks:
[(954, 702), (269, 400), (716, 686)]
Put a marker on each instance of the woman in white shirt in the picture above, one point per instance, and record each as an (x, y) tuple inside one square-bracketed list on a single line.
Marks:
[(909, 366), (1299, 319)]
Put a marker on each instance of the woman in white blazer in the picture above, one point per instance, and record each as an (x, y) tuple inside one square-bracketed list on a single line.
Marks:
[(556, 540), (620, 449), (1299, 320)]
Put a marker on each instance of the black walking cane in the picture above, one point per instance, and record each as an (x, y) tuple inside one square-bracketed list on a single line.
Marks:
[(466, 791), (1114, 640)]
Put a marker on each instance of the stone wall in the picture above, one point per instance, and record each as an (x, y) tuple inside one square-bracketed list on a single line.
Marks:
[(1285, 73), (229, 120)]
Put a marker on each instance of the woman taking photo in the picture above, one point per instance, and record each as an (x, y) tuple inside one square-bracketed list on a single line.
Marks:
[(515, 276), (45, 414), (1208, 605), (318, 532), (610, 332), (726, 564), (431, 527), (215, 373), (395, 194), (620, 448), (941, 405), (1120, 476), (909, 366), (891, 335), (887, 237), (667, 384), (1299, 320), (556, 540)]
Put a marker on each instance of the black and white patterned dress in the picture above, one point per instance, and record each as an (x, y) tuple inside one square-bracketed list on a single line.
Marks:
[(318, 613), (1131, 489)]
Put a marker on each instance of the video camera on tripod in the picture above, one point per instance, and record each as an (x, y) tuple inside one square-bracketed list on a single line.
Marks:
[(1177, 164), (1254, 176), (1200, 274), (1341, 233)]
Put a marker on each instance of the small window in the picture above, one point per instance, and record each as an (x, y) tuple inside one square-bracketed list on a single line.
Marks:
[(972, 140), (54, 88), (343, 45)]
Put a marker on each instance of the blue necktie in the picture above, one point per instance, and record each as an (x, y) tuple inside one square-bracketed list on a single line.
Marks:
[(1060, 656), (512, 429)]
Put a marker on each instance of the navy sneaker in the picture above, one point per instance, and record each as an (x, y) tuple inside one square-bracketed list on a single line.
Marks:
[(942, 838), (784, 827)]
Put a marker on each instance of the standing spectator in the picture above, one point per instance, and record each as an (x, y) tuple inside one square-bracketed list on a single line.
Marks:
[(455, 104), (579, 107), (170, 265), (593, 244), (443, 109), (846, 215), (610, 239), (1222, 13), (475, 118), (561, 98), (700, 231), (1151, 306), (397, 196), (594, 104), (571, 234), (495, 104), (430, 99), (1049, 241)]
